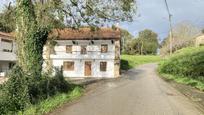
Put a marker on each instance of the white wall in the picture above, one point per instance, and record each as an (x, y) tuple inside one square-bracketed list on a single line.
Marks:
[(93, 54), (93, 51), (79, 67), (7, 56)]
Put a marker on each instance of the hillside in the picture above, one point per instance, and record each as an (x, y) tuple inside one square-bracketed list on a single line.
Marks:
[(185, 66)]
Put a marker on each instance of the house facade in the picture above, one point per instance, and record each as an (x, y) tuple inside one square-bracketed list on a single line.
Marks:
[(7, 53), (85, 53)]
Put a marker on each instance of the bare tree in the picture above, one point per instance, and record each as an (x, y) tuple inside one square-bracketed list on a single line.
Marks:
[(184, 34)]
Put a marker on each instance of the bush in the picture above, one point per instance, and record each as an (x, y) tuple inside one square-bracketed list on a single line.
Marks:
[(22, 90), (46, 86), (124, 64), (186, 62), (14, 95)]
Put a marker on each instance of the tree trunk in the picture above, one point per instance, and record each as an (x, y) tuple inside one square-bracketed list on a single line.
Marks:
[(141, 51), (30, 39)]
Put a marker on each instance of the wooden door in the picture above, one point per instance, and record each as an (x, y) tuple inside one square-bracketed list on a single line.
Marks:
[(87, 69)]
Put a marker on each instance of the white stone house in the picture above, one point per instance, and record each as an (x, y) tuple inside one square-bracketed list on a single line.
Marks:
[(7, 53), (85, 53)]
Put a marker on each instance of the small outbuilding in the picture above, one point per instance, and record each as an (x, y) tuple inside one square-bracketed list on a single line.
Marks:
[(199, 41)]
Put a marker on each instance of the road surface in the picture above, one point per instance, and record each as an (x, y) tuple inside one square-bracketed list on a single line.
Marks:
[(139, 92)]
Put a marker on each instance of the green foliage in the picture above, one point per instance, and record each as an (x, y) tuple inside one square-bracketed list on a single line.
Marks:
[(31, 37), (14, 95), (54, 13), (126, 39), (146, 43), (45, 86), (21, 90), (49, 13), (52, 103), (8, 19), (131, 61), (187, 62)]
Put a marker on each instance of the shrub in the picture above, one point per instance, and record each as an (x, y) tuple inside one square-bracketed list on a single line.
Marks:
[(124, 64), (22, 90), (59, 83), (46, 86), (186, 62), (14, 94)]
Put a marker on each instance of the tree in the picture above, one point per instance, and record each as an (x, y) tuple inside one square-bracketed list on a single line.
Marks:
[(125, 41), (7, 19), (47, 13), (183, 36), (148, 42), (31, 35), (31, 38)]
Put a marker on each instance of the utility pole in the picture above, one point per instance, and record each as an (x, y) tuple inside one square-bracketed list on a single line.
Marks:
[(170, 25)]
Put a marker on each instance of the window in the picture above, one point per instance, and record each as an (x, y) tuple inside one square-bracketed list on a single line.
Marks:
[(69, 49), (103, 66), (5, 40), (104, 48), (83, 50), (7, 50), (68, 66)]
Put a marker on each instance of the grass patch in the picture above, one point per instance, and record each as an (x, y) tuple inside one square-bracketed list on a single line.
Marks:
[(52, 103), (185, 80), (185, 66), (131, 61)]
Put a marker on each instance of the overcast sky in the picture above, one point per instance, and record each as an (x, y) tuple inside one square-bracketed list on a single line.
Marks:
[(154, 15)]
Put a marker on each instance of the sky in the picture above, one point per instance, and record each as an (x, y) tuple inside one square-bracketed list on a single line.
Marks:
[(154, 16)]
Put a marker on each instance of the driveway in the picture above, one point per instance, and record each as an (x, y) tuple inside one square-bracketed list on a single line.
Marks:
[(139, 92)]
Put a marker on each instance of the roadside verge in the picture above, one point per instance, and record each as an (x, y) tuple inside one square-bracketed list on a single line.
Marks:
[(190, 92)]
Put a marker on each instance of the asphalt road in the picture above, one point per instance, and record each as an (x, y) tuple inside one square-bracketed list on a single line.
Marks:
[(139, 92)]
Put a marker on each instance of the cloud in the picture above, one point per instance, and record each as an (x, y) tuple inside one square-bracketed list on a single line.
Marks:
[(154, 15)]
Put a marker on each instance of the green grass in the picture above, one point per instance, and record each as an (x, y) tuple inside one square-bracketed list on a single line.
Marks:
[(184, 80), (52, 103), (186, 66), (185, 62), (131, 61)]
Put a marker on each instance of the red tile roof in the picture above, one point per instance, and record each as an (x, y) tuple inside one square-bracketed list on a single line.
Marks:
[(85, 34), (78, 34), (9, 35)]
